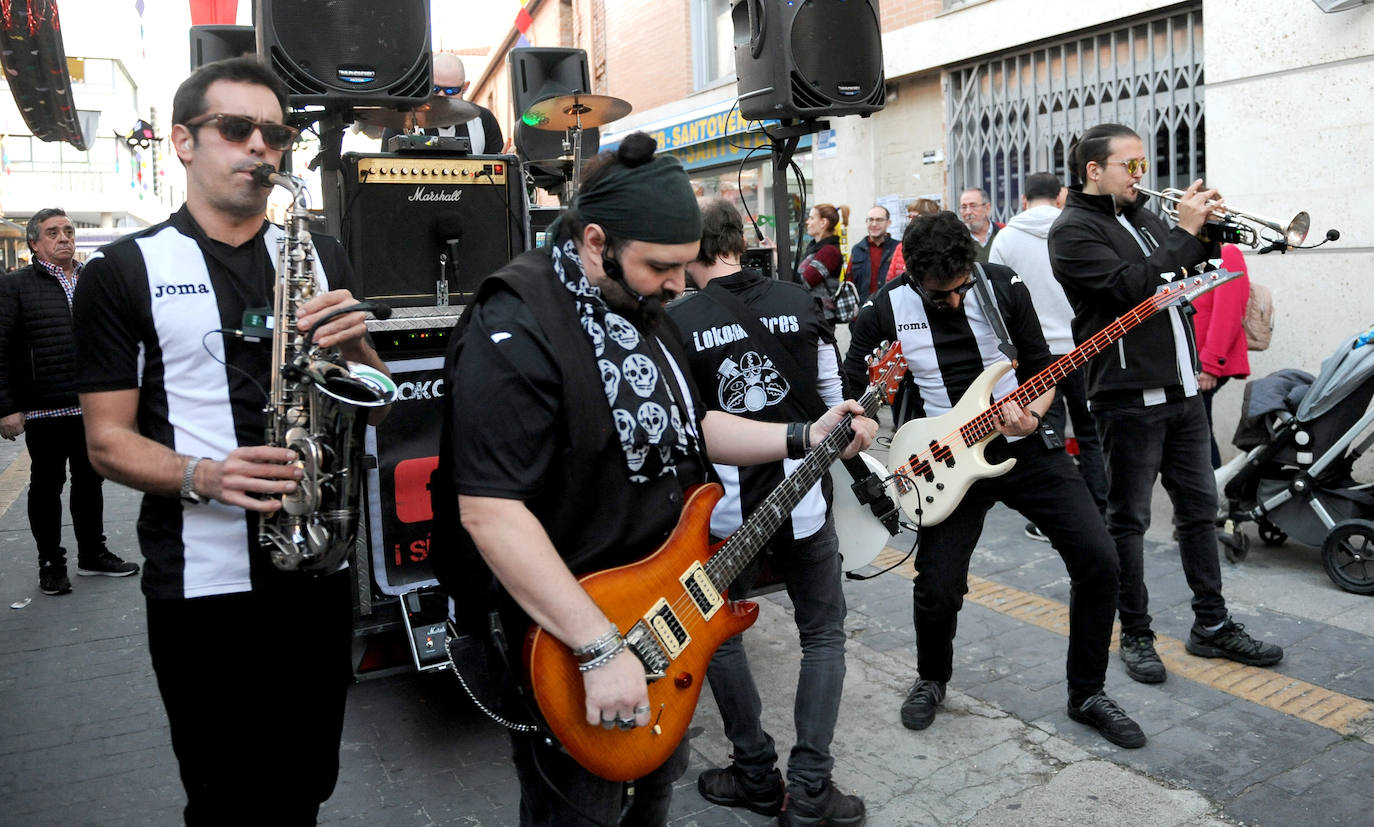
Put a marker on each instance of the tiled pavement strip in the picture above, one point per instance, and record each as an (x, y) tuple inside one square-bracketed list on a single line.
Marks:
[(1001, 752), (1309, 702)]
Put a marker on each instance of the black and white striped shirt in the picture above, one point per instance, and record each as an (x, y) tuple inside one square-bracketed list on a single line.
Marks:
[(150, 310), (945, 351)]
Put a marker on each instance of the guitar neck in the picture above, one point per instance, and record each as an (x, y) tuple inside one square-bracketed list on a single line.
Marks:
[(745, 543), (985, 424)]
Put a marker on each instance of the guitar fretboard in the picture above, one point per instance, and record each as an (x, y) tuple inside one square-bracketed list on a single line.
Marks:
[(984, 424), (737, 551)]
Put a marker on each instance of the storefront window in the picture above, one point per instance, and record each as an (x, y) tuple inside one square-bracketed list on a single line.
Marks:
[(751, 190)]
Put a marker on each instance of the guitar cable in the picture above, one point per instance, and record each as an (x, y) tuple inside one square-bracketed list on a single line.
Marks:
[(916, 527)]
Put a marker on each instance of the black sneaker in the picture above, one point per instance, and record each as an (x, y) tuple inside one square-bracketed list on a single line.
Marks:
[(1033, 531), (918, 710), (52, 579), (107, 564), (1141, 659), (1102, 713), (1231, 641), (732, 787), (828, 806)]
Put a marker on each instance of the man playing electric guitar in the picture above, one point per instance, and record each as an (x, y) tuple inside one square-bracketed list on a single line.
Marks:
[(943, 325), (573, 433), (779, 370)]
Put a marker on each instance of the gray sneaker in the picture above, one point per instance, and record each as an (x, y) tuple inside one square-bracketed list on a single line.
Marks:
[(1231, 641), (918, 710), (1141, 659)]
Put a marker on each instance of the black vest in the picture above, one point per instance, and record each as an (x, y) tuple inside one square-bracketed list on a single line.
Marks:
[(594, 515)]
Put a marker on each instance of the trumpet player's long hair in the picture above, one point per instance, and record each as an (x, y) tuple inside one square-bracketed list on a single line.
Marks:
[(1095, 145)]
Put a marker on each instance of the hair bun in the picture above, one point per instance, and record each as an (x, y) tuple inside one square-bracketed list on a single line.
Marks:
[(636, 150)]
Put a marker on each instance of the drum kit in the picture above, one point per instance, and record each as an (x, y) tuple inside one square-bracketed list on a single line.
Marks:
[(570, 114)]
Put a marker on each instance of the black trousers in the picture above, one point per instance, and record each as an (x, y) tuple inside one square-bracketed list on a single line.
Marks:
[(1169, 442), (254, 686), (1046, 489), (53, 444)]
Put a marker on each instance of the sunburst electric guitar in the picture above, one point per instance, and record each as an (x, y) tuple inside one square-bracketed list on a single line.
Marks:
[(673, 610), (935, 460)]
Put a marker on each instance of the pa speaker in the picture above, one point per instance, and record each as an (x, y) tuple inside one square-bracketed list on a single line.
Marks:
[(402, 213), (538, 73), (808, 59), (212, 43), (346, 52)]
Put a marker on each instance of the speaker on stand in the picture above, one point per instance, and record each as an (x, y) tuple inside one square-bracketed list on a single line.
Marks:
[(799, 62)]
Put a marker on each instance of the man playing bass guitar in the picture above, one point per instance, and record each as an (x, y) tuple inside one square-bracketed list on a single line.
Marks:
[(948, 338), (573, 433)]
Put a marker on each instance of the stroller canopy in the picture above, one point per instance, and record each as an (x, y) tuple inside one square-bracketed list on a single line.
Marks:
[(1342, 372)]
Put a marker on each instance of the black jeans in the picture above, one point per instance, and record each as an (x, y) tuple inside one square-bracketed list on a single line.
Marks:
[(1171, 441), (1071, 404), (814, 578), (53, 443), (1047, 490), (539, 765), (254, 685)]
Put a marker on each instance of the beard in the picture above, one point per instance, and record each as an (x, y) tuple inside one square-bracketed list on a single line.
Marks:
[(644, 311)]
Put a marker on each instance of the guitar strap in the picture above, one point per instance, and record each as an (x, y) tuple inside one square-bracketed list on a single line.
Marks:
[(983, 287), (867, 486)]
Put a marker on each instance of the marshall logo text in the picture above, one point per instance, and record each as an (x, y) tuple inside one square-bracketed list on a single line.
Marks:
[(422, 194)]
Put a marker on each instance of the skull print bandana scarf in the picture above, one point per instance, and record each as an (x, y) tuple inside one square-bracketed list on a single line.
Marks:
[(652, 428)]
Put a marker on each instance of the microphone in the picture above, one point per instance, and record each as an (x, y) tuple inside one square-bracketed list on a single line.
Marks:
[(1332, 235), (448, 229)]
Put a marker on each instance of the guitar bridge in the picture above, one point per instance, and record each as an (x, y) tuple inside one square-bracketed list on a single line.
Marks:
[(641, 641)]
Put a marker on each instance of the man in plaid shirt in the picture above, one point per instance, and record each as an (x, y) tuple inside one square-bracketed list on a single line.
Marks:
[(37, 398)]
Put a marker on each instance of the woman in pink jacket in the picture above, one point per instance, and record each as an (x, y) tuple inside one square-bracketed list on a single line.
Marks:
[(1221, 344)]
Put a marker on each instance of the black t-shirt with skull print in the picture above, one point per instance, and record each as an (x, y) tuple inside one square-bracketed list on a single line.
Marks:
[(737, 376)]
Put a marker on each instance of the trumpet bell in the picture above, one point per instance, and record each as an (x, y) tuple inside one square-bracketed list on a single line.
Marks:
[(1296, 231)]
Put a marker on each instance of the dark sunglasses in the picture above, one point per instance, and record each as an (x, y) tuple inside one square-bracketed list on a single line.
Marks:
[(447, 90), (934, 296), (237, 129)]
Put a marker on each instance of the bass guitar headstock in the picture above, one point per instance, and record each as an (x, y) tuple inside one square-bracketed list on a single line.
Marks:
[(1190, 287)]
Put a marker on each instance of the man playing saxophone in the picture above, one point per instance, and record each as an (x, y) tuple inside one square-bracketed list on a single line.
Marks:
[(252, 662)]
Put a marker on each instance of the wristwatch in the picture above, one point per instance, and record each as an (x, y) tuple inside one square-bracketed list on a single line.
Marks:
[(188, 487)]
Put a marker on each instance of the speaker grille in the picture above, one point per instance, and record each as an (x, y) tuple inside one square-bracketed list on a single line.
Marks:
[(837, 52), (346, 51)]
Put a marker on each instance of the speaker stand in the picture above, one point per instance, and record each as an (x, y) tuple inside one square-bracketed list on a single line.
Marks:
[(790, 133), (331, 130)]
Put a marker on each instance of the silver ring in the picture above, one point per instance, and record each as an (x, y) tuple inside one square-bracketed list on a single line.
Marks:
[(625, 723), (642, 710)]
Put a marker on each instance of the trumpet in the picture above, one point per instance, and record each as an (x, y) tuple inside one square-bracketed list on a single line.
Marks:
[(1237, 226)]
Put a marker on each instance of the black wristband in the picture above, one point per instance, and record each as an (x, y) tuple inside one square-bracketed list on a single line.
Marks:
[(796, 439), (1038, 420)]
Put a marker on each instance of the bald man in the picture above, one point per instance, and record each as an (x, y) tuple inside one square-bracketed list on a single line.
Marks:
[(450, 81)]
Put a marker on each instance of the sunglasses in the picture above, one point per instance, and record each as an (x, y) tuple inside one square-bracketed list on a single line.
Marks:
[(934, 296), (451, 91), (1134, 166), (237, 129)]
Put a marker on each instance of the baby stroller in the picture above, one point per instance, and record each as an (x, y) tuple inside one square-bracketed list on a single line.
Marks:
[(1299, 436)]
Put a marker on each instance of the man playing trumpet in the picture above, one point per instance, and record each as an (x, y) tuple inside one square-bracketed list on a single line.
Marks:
[(1110, 252)]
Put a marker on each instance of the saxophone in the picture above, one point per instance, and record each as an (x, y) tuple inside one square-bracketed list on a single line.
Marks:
[(313, 409)]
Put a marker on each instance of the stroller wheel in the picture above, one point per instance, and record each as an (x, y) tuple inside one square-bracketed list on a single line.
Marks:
[(1271, 534), (1348, 555), (1235, 544)]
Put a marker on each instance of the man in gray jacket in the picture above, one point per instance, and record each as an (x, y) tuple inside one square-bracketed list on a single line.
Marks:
[(1023, 245)]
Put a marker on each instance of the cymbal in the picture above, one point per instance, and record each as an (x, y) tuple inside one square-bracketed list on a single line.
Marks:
[(554, 166), (438, 111), (561, 113)]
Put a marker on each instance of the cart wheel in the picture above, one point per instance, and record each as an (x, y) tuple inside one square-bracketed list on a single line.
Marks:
[(1271, 534), (1235, 545), (1348, 555)]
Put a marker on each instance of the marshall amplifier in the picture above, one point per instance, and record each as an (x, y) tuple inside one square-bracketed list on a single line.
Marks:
[(423, 231)]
